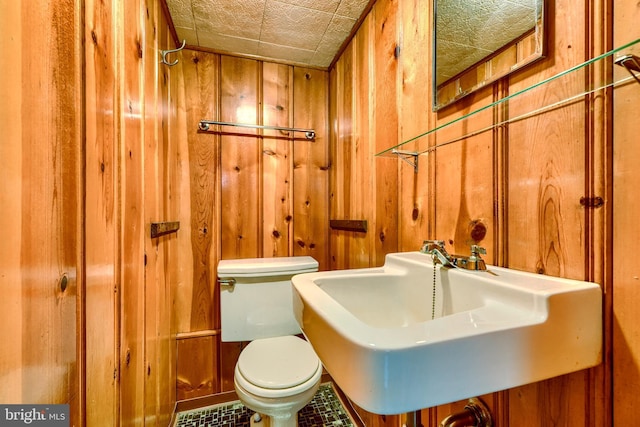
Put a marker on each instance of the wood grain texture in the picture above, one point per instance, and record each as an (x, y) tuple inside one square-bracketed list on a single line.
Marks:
[(311, 166), (626, 292), (414, 104), (11, 303), (196, 367), (277, 160), (131, 147), (200, 74), (251, 192), (385, 51), (240, 158), (102, 260), (42, 272), (515, 189)]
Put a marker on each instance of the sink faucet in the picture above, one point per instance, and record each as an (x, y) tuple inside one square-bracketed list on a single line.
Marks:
[(471, 262), (436, 248)]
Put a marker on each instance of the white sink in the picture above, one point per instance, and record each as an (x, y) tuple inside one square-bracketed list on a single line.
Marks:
[(373, 330)]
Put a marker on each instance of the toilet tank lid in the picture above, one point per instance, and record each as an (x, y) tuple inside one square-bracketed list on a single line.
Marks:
[(252, 267)]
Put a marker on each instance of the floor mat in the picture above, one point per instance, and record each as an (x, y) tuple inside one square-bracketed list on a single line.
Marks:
[(324, 410)]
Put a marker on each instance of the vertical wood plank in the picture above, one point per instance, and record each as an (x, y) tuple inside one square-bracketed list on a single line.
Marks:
[(415, 116), (169, 193), (341, 150), (46, 180), (50, 142), (154, 250), (336, 176), (240, 160), (386, 127), (626, 292), (11, 303), (102, 217), (132, 351), (277, 160), (196, 362), (362, 193), (200, 88), (311, 166)]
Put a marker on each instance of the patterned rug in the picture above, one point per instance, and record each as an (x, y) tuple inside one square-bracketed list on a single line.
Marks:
[(324, 410)]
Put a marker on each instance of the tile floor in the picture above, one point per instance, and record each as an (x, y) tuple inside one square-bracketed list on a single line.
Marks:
[(324, 410)]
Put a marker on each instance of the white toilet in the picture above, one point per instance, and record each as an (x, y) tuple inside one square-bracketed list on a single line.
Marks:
[(277, 373)]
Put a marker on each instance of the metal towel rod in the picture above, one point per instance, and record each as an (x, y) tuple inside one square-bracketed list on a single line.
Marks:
[(204, 125)]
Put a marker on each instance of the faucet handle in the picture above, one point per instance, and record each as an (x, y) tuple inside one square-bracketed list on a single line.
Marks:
[(477, 250), (428, 245), (475, 262)]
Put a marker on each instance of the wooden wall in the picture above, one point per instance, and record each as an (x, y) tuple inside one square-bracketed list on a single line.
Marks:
[(250, 193), (522, 184), (88, 164), (131, 181), (41, 271), (626, 229)]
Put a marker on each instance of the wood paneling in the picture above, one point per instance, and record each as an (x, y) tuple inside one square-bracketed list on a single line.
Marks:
[(196, 366), (41, 158), (252, 193), (195, 310), (240, 160), (131, 153), (626, 229), (415, 207), (41, 154), (101, 255), (311, 166), (277, 160), (516, 189)]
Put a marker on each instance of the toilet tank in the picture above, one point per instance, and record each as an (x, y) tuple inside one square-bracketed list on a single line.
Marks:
[(259, 303)]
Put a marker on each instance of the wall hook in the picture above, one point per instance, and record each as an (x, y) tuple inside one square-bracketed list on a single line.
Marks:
[(164, 54)]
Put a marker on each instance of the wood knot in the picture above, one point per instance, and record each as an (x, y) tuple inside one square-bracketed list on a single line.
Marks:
[(478, 230)]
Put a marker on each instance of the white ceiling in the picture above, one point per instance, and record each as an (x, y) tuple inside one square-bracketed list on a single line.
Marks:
[(305, 32)]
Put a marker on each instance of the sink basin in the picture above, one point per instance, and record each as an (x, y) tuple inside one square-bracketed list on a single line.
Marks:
[(394, 348)]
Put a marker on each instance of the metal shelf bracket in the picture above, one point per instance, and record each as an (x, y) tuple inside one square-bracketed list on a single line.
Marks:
[(632, 63), (406, 155)]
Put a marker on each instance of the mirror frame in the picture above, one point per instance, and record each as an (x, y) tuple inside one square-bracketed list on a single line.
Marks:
[(522, 51)]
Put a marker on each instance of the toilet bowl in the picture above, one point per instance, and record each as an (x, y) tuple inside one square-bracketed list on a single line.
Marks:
[(277, 377), (277, 373)]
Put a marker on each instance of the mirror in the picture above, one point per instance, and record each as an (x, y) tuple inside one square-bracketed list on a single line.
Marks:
[(477, 42)]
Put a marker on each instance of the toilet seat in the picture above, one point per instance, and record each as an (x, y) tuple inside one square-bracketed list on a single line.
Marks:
[(278, 367)]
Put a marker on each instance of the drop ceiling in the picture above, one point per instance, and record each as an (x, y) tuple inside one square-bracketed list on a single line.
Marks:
[(304, 32)]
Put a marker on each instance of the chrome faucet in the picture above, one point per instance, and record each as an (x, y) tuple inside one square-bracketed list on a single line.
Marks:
[(440, 254), (436, 248)]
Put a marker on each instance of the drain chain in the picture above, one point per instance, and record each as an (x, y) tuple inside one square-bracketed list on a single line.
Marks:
[(433, 295)]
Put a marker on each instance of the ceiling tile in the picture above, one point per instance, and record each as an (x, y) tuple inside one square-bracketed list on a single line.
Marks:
[(181, 13), (238, 18), (228, 44), (329, 6), (351, 8), (293, 54), (308, 32), (285, 24), (188, 34)]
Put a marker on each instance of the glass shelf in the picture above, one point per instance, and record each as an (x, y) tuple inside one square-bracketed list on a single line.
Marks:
[(554, 92)]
